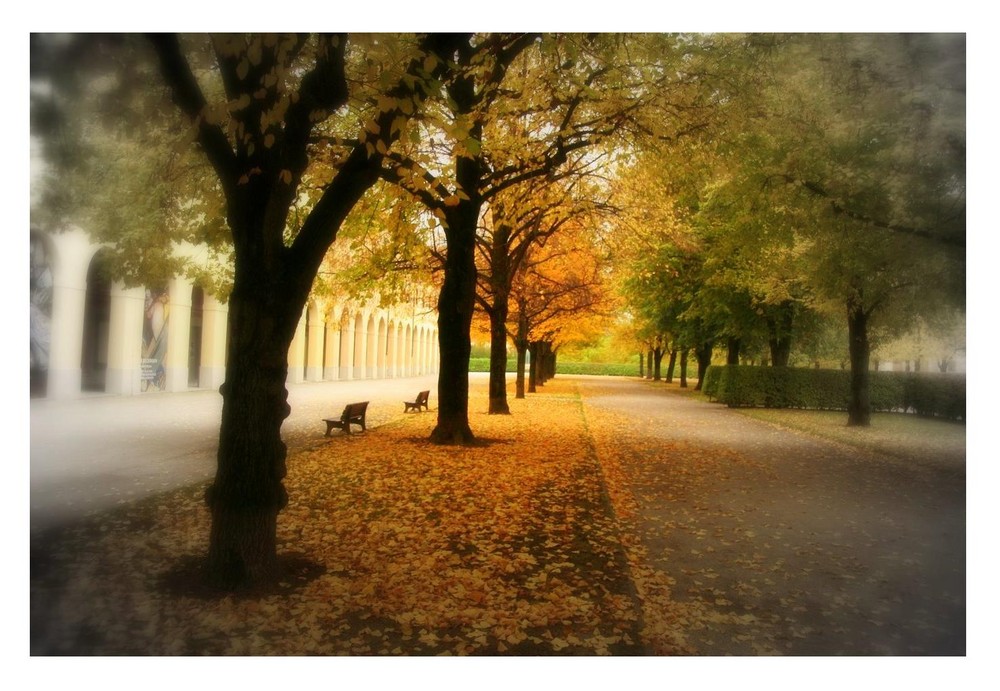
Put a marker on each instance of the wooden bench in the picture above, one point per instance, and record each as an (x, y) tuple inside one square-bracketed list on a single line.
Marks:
[(416, 405), (354, 413)]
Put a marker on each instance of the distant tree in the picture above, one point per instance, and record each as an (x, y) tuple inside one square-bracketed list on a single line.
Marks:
[(865, 154)]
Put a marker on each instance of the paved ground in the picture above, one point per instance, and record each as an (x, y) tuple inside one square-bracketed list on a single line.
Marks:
[(101, 451), (814, 547), (776, 542)]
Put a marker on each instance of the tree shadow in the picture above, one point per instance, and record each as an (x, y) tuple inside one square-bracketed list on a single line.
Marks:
[(189, 578)]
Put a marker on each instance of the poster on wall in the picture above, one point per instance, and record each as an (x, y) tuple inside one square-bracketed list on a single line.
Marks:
[(154, 340), (41, 314)]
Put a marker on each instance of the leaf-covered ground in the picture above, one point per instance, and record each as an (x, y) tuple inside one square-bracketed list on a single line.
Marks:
[(391, 545), (604, 517)]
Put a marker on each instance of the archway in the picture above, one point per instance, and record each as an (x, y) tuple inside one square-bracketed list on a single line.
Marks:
[(194, 340), (96, 321)]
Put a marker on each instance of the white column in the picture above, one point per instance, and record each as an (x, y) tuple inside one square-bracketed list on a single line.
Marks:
[(214, 322), (72, 255), (347, 348), (369, 342), (178, 334), (331, 358), (125, 340), (314, 363), (296, 352)]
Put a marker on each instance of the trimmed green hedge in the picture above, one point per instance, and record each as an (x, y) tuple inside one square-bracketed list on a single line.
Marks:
[(598, 368), (925, 393), (612, 369), (482, 364)]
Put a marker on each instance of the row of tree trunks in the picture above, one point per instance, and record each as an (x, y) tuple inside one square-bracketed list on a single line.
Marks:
[(654, 357), (543, 364)]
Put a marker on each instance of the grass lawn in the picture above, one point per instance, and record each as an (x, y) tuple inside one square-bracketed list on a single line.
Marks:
[(895, 434)]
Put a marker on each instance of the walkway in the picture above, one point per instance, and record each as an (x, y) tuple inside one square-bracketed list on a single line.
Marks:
[(102, 451), (779, 543), (766, 541)]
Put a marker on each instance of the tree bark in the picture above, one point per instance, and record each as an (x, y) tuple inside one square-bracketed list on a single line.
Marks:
[(780, 326), (457, 299), (498, 354), (733, 351), (859, 409), (684, 368), (642, 362), (455, 307), (658, 353), (247, 493), (649, 364), (671, 364), (704, 355)]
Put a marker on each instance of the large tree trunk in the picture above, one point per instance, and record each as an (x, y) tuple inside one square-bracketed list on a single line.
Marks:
[(859, 408), (649, 364), (455, 307), (657, 360), (642, 363), (733, 351), (684, 368), (247, 493), (704, 355), (458, 291), (780, 338)]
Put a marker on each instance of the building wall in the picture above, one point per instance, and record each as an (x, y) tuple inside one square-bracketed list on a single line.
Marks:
[(144, 343)]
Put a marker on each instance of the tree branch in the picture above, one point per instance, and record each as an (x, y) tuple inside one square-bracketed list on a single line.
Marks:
[(188, 96)]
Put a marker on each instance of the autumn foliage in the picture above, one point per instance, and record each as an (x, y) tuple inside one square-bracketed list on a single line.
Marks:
[(394, 545)]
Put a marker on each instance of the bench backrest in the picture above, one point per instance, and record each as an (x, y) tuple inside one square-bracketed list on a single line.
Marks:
[(423, 396), (355, 410)]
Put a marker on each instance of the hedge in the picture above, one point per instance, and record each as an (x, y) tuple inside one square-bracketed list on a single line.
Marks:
[(924, 393), (482, 364), (599, 368), (608, 369)]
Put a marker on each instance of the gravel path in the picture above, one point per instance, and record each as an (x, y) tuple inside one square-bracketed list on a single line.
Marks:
[(780, 543)]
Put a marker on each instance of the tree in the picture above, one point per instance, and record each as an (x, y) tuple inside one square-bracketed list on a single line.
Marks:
[(559, 285), (506, 128), (521, 218), (864, 153), (270, 113)]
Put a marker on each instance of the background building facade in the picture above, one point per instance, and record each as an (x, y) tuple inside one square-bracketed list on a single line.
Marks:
[(92, 335)]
